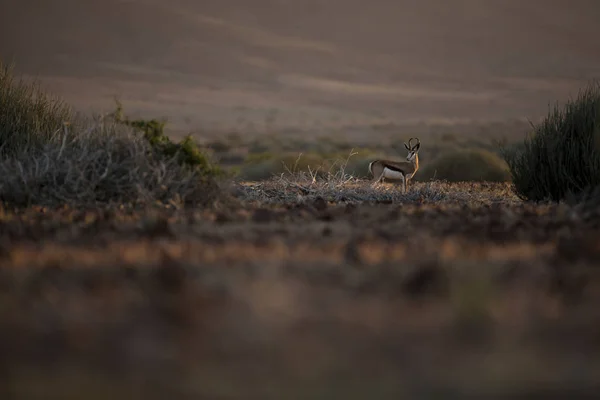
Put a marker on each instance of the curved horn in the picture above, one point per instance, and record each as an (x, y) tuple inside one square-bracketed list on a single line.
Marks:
[(409, 141), (416, 144)]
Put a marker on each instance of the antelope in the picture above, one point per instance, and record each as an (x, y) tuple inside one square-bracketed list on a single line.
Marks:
[(397, 170)]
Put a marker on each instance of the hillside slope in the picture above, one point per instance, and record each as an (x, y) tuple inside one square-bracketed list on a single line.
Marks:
[(318, 63)]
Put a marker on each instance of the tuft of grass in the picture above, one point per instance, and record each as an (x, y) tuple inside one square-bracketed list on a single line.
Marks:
[(263, 166), (562, 157), (29, 117)]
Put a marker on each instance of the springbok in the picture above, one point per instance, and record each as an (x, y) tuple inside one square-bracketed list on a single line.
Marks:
[(397, 170)]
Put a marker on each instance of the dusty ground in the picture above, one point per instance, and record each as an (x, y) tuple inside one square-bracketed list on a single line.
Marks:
[(449, 291)]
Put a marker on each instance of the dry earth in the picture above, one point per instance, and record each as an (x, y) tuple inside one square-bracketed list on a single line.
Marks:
[(450, 291)]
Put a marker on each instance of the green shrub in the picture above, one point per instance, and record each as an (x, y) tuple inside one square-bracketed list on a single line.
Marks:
[(561, 158), (186, 151), (466, 165), (28, 116)]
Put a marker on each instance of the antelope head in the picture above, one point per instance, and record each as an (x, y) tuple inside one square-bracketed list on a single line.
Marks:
[(412, 150)]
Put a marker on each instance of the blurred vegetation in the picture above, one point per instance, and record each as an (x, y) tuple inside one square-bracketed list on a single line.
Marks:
[(450, 156), (561, 158), (263, 166), (466, 165)]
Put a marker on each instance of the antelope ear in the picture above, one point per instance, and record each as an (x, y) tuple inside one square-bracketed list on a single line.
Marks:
[(407, 148), (417, 146)]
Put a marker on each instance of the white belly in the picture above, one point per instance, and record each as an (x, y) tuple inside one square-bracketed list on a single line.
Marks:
[(391, 174)]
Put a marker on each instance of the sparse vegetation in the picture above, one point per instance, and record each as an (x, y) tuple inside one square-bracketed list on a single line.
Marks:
[(340, 188), (263, 166), (561, 157), (275, 156)]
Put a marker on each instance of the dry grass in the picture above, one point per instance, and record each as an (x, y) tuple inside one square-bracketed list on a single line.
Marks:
[(102, 163), (28, 116), (302, 292), (341, 188)]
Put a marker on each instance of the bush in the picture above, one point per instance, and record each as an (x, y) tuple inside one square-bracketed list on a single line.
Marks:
[(28, 116), (561, 158), (103, 165), (91, 162), (466, 165), (186, 151)]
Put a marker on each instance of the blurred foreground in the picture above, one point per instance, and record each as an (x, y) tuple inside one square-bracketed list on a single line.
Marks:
[(450, 291)]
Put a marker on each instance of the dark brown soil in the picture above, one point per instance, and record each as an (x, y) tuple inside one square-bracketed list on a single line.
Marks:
[(302, 300)]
